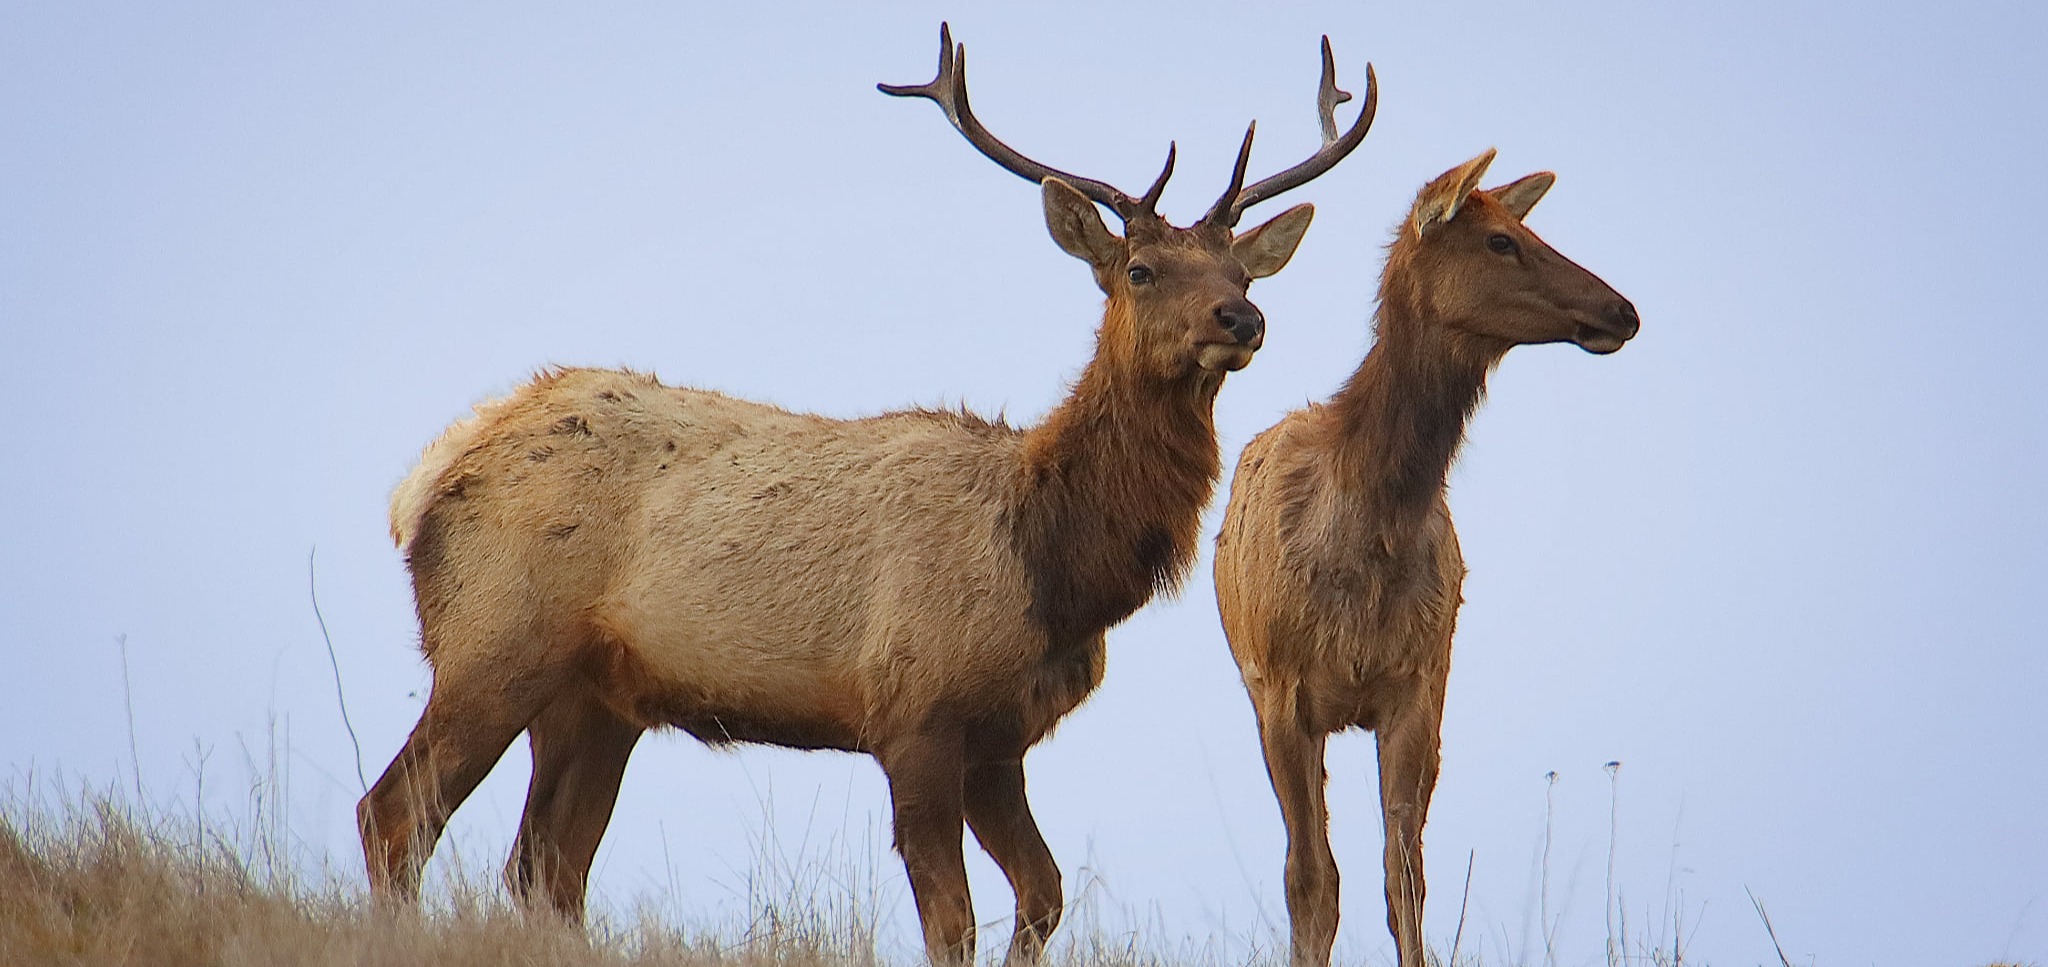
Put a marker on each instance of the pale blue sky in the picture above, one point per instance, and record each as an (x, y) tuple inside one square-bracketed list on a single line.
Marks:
[(1782, 555)]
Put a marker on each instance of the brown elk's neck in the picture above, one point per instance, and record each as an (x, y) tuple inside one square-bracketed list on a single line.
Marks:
[(1114, 482), (1401, 417)]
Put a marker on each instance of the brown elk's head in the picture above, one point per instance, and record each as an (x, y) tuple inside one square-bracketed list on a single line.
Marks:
[(1177, 302), (1465, 256)]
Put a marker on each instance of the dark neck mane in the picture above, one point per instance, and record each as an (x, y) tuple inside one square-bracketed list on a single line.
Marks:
[(1114, 482), (1400, 419)]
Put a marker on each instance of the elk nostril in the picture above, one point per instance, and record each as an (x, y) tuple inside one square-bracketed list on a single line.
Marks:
[(1241, 314), (1243, 321), (1623, 315)]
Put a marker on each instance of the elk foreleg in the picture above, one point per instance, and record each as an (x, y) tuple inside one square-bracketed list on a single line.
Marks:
[(1294, 761), (1408, 743), (925, 775), (1001, 819), (579, 757)]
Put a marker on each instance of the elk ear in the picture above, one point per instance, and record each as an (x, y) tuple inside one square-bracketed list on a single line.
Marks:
[(1520, 196), (1439, 201), (1077, 226), (1265, 250)]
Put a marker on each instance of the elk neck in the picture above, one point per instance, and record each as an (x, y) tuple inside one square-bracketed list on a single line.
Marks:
[(1401, 417), (1113, 485)]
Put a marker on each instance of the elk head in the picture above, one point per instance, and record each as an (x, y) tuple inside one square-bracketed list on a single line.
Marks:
[(1478, 270), (1177, 300)]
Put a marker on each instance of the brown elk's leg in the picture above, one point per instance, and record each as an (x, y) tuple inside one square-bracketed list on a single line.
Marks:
[(1001, 819), (925, 775), (1294, 761), (465, 729), (1408, 742), (579, 756)]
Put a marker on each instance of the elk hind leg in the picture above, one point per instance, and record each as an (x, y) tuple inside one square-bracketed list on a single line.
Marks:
[(474, 712), (580, 749), (1000, 816)]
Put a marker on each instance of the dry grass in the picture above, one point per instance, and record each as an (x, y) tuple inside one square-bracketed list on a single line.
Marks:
[(93, 883)]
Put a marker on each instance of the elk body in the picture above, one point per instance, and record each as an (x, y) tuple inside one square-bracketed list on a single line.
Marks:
[(1337, 570), (600, 554)]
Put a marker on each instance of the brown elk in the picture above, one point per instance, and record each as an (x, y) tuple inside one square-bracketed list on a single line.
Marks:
[(599, 554), (1337, 570)]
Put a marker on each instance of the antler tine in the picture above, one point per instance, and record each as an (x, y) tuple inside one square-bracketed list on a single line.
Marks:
[(949, 91), (940, 89), (1334, 149), (1149, 203), (1227, 203), (1327, 94)]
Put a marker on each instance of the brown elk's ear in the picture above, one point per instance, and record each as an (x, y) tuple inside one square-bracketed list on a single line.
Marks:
[(1077, 226), (1265, 250), (1520, 196), (1438, 201)]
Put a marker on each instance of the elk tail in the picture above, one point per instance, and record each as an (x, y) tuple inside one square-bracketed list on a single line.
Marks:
[(415, 495)]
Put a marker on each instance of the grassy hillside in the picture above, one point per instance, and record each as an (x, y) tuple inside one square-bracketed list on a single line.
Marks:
[(95, 883)]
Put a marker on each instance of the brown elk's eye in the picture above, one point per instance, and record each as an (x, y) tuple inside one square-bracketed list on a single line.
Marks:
[(1500, 243), (1141, 275)]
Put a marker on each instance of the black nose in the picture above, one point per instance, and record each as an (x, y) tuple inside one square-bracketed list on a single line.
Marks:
[(1622, 315), (1242, 320)]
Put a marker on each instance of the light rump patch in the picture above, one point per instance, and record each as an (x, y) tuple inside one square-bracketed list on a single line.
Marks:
[(410, 499)]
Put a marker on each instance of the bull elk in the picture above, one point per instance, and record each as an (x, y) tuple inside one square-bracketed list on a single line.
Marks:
[(598, 554), (1337, 570)]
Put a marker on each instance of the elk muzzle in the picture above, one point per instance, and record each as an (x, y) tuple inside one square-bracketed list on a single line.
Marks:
[(1617, 324), (1244, 322), (1241, 331)]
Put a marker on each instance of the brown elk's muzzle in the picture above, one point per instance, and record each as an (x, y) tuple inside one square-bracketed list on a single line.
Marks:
[(1614, 326), (1240, 331), (1243, 322)]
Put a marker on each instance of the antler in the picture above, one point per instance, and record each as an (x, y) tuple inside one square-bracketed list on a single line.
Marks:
[(949, 91), (1229, 208)]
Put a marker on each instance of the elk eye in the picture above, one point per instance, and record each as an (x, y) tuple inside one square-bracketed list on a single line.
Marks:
[(1500, 243), (1140, 275)]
